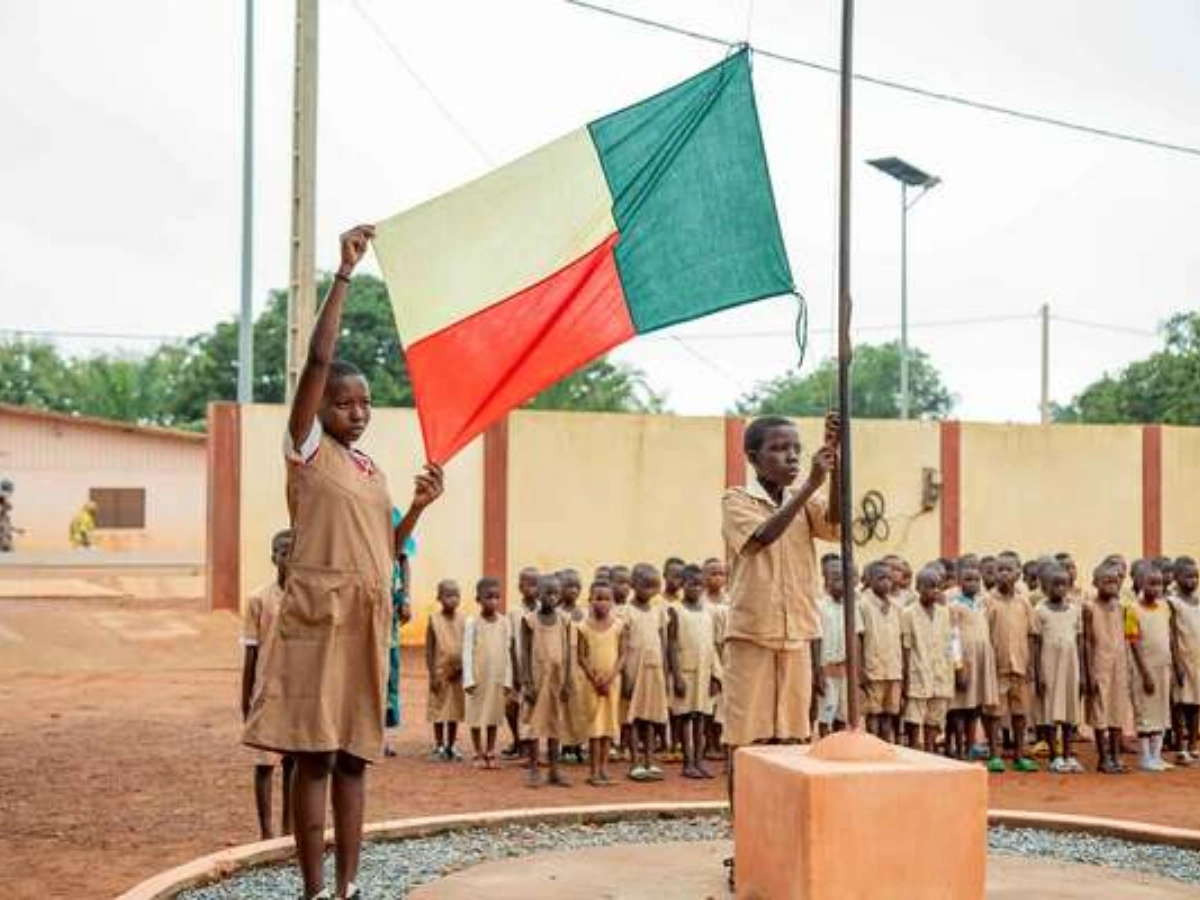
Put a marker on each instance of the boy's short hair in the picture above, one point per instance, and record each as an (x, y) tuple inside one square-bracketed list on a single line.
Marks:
[(486, 582), (1063, 556), (644, 570), (1106, 567), (618, 567), (673, 561), (691, 570), (756, 431), (1184, 562), (446, 585), (876, 566), (933, 571)]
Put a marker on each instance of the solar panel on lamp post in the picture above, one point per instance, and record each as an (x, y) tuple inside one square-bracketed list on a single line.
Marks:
[(909, 176)]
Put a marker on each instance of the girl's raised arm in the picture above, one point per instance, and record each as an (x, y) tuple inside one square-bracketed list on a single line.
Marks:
[(311, 386)]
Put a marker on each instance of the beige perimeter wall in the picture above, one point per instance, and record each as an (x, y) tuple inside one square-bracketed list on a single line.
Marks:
[(585, 489)]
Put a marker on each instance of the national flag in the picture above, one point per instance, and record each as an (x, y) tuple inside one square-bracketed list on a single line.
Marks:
[(654, 215)]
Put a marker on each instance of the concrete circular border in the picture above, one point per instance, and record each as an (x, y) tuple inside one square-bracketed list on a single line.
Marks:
[(222, 864)]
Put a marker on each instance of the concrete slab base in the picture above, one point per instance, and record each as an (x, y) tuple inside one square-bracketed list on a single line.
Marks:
[(693, 871)]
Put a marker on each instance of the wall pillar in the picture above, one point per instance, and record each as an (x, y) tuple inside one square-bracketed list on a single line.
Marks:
[(1152, 505), (951, 499), (735, 461), (495, 504), (223, 544)]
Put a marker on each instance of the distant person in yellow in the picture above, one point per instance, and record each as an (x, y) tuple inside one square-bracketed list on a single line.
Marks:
[(83, 525)]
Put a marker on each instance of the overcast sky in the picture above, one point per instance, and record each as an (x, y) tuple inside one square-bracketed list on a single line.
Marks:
[(120, 164)]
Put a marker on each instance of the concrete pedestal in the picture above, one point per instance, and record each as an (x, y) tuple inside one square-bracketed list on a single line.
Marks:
[(852, 817)]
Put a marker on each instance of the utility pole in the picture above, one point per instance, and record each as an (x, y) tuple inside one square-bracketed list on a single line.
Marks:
[(1045, 405), (245, 386), (302, 286)]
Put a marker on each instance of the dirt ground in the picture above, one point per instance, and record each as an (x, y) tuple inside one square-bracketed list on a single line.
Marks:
[(111, 772)]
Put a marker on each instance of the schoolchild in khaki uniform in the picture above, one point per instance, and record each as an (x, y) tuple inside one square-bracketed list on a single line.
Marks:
[(324, 665), (601, 648), (576, 722), (772, 638), (928, 661), (527, 585), (1148, 627), (883, 659), (487, 671), (446, 706), (1010, 623), (262, 612), (716, 577), (975, 688), (1186, 691), (546, 679), (645, 683), (1107, 669), (1058, 663), (622, 587), (695, 669)]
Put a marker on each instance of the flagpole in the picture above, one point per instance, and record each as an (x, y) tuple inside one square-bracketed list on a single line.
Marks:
[(843, 480)]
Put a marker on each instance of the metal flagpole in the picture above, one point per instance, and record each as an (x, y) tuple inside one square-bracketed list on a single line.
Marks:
[(849, 605)]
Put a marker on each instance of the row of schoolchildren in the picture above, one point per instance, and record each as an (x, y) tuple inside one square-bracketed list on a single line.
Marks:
[(973, 645), (642, 653)]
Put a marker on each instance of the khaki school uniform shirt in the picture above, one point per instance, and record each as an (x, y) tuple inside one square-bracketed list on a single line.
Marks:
[(883, 658), (930, 658), (773, 589), (1010, 620)]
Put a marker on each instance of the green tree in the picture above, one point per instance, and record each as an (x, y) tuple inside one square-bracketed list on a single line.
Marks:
[(33, 374), (875, 387), (174, 384), (602, 386), (1164, 387)]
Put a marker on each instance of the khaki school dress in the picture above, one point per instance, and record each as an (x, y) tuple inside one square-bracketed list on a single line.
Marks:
[(969, 616), (1109, 705), (603, 651), (577, 720), (325, 663), (644, 664), (549, 661), (699, 663), (1059, 630), (262, 612), (1187, 628), (487, 670), (447, 700), (1152, 627)]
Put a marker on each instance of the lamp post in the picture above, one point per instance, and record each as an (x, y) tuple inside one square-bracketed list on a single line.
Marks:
[(909, 176)]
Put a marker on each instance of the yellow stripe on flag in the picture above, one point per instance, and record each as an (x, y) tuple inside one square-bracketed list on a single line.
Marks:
[(464, 251)]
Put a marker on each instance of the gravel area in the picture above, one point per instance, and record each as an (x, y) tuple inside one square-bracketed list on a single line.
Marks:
[(1114, 853), (391, 868)]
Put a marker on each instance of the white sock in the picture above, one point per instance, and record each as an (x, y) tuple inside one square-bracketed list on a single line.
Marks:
[(1144, 744), (1156, 742)]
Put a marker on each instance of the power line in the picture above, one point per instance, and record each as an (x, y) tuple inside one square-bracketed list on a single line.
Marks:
[(1106, 326), (939, 96), (92, 335), (445, 110)]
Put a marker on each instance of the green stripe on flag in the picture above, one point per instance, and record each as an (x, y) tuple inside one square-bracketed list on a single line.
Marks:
[(692, 199)]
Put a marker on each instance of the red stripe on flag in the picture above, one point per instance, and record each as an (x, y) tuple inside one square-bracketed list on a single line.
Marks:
[(467, 376)]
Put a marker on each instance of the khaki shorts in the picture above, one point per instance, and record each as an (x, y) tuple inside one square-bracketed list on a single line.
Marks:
[(766, 693), (926, 711), (1013, 695), (881, 698)]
